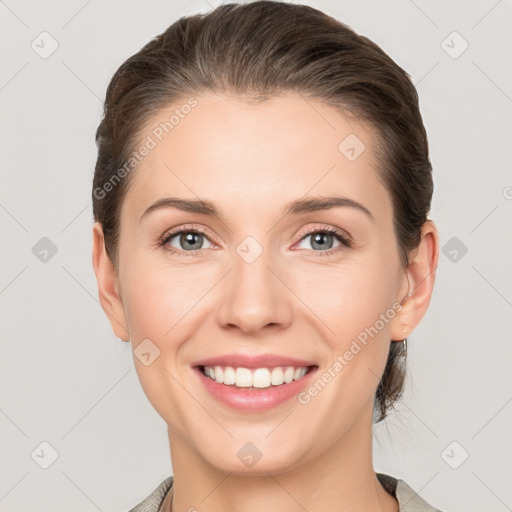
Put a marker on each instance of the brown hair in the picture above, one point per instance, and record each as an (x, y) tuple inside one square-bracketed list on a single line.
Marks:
[(259, 50)]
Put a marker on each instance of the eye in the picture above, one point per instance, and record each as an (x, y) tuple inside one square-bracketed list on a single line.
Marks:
[(188, 241), (323, 239), (185, 241)]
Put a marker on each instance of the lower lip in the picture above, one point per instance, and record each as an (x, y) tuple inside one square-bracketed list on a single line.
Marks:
[(251, 399)]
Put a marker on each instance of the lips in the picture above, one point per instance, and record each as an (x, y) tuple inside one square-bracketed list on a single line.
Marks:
[(258, 383), (253, 362)]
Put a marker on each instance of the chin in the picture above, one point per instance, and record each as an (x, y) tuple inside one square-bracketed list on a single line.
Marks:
[(252, 458)]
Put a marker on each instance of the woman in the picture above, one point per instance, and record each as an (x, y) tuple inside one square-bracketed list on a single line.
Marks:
[(261, 197)]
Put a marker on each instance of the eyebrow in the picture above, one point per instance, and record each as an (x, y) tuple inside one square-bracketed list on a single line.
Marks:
[(294, 208)]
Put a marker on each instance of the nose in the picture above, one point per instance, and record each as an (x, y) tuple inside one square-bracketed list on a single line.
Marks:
[(255, 296)]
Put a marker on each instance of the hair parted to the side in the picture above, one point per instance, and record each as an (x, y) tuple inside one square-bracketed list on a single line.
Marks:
[(259, 50)]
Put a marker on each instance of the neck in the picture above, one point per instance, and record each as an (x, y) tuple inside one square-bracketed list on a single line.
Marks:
[(340, 479)]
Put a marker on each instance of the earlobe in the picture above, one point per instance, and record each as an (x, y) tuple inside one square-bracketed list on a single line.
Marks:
[(108, 289), (421, 276)]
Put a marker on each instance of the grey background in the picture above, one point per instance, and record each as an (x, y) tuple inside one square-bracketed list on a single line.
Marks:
[(67, 381)]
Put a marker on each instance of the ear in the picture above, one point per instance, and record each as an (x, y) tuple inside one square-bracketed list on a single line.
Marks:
[(421, 275), (108, 284)]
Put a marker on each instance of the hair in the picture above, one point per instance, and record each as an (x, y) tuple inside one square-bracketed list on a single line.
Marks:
[(261, 50)]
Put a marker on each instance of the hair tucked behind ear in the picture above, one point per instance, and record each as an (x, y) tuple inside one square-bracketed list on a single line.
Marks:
[(391, 385), (258, 50)]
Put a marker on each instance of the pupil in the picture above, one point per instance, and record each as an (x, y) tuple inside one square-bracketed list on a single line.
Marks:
[(317, 239), (189, 240)]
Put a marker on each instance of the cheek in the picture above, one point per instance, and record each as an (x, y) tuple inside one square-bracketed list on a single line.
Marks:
[(353, 307), (347, 297), (148, 309), (158, 297), (158, 304)]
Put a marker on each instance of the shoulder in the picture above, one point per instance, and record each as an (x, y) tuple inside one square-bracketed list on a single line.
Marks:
[(153, 502), (408, 499)]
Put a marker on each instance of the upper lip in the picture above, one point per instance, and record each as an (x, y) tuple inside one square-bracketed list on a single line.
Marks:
[(260, 361)]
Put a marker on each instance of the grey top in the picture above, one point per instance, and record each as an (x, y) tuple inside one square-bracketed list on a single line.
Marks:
[(408, 499)]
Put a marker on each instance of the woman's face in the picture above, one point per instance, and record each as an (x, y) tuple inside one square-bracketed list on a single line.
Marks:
[(255, 289)]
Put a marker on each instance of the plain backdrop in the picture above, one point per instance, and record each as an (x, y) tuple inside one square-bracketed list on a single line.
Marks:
[(70, 399)]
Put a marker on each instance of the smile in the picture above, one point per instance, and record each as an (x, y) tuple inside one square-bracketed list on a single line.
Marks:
[(259, 378)]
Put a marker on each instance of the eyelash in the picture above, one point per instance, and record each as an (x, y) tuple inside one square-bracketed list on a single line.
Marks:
[(339, 235), (345, 241)]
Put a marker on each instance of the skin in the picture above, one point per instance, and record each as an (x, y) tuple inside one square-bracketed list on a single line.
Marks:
[(251, 160)]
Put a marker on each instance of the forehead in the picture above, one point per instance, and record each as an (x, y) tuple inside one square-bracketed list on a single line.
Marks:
[(247, 155)]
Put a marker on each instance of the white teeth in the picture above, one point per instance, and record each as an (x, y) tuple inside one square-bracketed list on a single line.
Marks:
[(219, 373), (257, 378), (261, 378), (243, 378), (289, 374), (277, 376), (229, 375)]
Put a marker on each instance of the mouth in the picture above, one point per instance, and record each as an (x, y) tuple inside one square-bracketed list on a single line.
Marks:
[(259, 378), (255, 389)]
